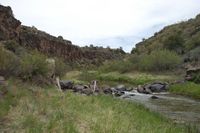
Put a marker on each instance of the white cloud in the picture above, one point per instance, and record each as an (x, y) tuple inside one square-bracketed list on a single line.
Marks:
[(95, 21)]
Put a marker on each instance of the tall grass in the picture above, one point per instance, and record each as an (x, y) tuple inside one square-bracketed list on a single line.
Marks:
[(189, 89), (48, 110), (126, 78)]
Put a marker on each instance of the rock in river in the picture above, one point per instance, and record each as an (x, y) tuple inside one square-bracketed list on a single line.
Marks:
[(153, 87)]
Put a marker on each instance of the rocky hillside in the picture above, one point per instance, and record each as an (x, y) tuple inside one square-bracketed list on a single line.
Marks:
[(183, 38), (32, 38), (9, 26)]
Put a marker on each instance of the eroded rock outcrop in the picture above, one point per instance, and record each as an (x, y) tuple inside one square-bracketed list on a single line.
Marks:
[(47, 44), (9, 26)]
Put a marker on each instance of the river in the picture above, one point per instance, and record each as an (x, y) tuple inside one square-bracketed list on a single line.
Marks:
[(178, 108)]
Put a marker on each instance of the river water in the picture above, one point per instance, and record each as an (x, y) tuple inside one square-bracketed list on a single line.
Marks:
[(178, 108)]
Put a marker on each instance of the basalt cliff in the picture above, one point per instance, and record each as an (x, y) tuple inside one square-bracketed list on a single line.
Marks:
[(32, 38)]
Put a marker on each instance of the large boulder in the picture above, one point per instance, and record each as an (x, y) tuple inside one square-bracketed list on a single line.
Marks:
[(153, 87), (144, 90), (83, 89), (121, 88), (87, 91), (67, 84), (78, 88), (154, 97), (158, 87)]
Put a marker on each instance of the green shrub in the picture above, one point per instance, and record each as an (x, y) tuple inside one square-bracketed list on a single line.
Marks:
[(193, 42), (33, 65), (119, 66), (13, 46), (61, 68), (193, 55), (9, 63), (195, 77), (159, 61)]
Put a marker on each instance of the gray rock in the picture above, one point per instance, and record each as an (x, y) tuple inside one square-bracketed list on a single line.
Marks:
[(154, 97), (158, 87), (119, 93), (154, 87), (78, 88), (147, 91), (129, 89), (121, 88), (87, 91), (107, 90), (140, 89), (66, 84)]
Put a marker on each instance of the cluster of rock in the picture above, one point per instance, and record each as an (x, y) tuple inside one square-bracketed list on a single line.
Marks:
[(93, 88), (119, 90), (153, 87)]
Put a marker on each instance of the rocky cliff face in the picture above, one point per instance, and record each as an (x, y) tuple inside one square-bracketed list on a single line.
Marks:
[(9, 26), (30, 37)]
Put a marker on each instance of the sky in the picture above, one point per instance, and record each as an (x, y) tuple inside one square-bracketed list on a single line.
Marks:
[(114, 23)]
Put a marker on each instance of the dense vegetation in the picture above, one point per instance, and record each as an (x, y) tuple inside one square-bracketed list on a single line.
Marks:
[(156, 61), (16, 61)]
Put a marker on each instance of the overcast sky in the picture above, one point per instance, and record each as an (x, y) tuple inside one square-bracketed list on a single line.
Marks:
[(103, 22)]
